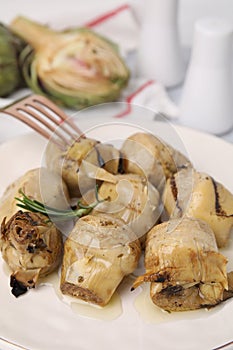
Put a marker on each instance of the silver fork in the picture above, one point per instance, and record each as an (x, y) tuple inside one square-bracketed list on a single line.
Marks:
[(46, 118)]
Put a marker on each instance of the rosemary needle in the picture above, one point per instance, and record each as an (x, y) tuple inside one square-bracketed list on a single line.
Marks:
[(58, 214)]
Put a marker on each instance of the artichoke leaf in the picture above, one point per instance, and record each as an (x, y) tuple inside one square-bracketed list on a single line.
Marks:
[(95, 172), (10, 47)]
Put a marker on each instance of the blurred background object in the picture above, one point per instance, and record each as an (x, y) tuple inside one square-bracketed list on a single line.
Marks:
[(206, 101), (190, 11), (159, 50), (115, 19), (79, 12)]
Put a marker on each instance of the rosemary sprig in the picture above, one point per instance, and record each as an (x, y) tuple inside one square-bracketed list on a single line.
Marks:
[(57, 214)]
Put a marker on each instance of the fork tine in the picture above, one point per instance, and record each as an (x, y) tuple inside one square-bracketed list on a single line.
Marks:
[(61, 125), (43, 110), (32, 125), (63, 117), (43, 120)]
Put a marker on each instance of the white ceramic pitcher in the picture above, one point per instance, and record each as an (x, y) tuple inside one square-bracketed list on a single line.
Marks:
[(207, 97), (159, 52)]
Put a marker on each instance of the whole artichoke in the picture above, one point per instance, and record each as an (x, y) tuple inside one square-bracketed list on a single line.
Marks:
[(75, 68), (10, 47), (32, 246)]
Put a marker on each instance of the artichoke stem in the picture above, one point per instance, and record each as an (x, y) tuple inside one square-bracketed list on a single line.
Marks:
[(35, 34)]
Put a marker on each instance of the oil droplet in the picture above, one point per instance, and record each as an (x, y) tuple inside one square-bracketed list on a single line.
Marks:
[(52, 280), (109, 312)]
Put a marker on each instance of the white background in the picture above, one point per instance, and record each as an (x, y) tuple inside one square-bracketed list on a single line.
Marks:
[(78, 11)]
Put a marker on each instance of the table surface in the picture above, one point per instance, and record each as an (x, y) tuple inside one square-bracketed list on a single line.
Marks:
[(11, 128)]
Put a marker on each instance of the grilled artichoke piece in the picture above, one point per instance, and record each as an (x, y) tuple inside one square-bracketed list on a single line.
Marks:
[(10, 48), (131, 198), (108, 157), (183, 263), (146, 155), (198, 195), (229, 292), (74, 171), (98, 253), (76, 68), (40, 184), (32, 247)]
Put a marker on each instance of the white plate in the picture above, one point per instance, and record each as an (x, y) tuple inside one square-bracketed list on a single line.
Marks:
[(39, 320)]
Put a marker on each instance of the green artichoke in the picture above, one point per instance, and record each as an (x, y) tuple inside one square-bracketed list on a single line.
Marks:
[(75, 68), (10, 47)]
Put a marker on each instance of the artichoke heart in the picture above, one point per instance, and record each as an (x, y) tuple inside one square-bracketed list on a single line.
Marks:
[(76, 68), (40, 184), (132, 199), (146, 155), (10, 48), (184, 266), (98, 253), (74, 164), (198, 195), (32, 247)]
